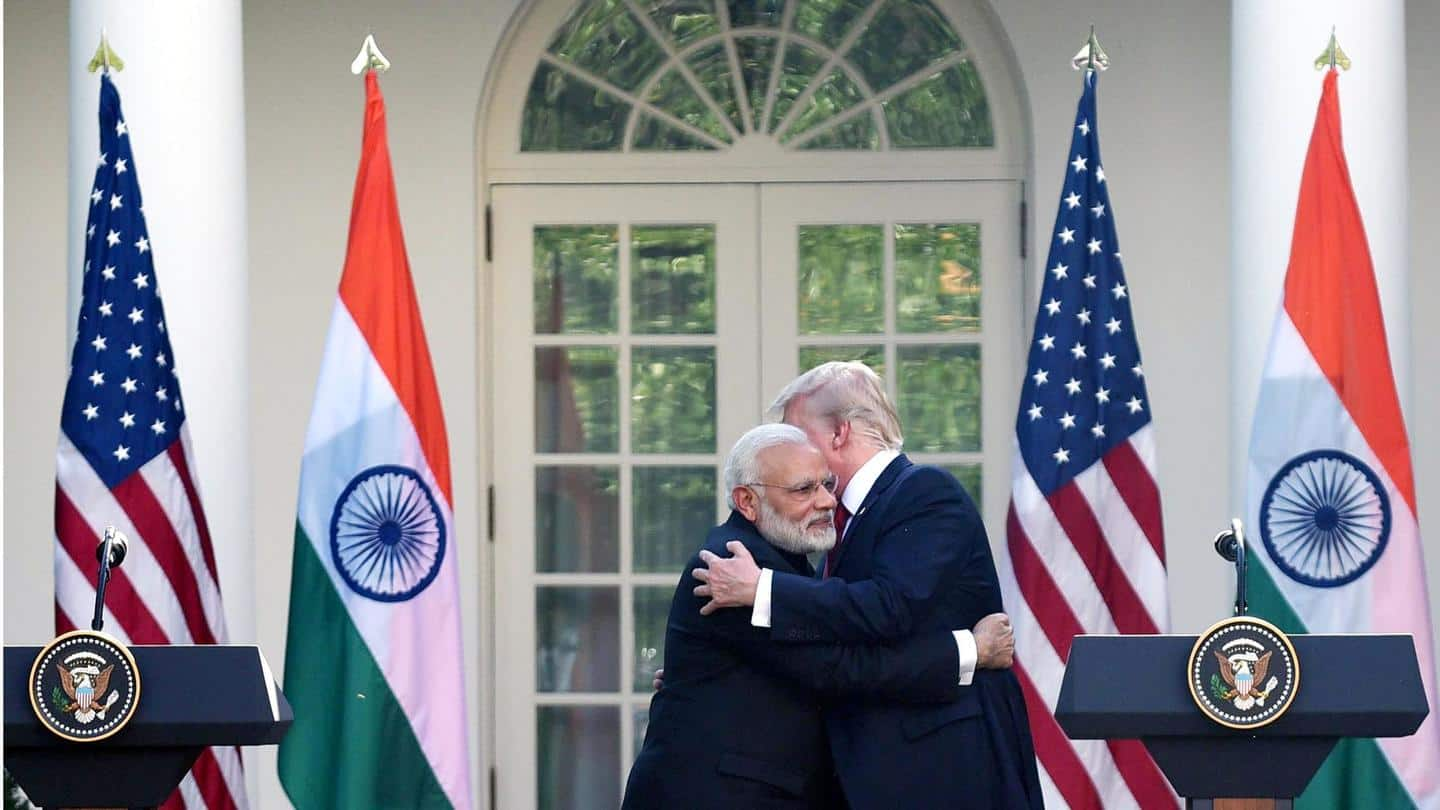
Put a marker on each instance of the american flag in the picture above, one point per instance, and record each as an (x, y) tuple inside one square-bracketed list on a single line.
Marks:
[(124, 457), (1086, 550)]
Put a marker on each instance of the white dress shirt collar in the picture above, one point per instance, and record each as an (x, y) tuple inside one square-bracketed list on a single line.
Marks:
[(864, 479)]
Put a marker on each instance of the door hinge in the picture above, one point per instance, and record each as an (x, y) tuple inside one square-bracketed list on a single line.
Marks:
[(1024, 227), (490, 512), (492, 788), (489, 234)]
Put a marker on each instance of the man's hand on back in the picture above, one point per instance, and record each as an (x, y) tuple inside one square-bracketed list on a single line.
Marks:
[(994, 642), (728, 581)]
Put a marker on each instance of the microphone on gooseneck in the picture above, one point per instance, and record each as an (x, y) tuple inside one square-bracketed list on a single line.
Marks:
[(110, 553)]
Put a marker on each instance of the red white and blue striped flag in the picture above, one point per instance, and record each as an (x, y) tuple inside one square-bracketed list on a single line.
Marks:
[(124, 457), (1085, 546)]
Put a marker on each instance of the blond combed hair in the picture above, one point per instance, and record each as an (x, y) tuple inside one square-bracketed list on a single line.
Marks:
[(846, 392)]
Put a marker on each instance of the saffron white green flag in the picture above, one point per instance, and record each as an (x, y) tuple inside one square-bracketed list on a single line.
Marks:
[(1330, 491), (373, 661)]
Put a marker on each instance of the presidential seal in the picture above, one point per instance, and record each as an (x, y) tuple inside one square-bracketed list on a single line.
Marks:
[(1243, 673), (84, 686)]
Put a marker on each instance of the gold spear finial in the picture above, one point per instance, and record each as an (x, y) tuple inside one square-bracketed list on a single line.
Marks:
[(1332, 57), (105, 57)]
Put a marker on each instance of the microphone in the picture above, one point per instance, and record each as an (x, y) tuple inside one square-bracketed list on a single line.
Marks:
[(1230, 544), (109, 553)]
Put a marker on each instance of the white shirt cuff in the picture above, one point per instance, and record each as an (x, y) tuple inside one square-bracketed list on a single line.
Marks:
[(760, 616), (964, 640)]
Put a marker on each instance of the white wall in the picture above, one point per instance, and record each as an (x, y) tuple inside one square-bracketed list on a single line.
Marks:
[(1164, 117)]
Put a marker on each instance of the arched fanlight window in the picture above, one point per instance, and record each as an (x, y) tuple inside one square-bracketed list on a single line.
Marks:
[(651, 75)]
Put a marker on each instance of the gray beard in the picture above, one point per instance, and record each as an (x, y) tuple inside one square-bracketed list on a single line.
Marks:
[(792, 537)]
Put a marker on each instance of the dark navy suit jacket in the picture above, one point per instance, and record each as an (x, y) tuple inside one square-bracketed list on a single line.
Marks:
[(915, 560), (739, 723)]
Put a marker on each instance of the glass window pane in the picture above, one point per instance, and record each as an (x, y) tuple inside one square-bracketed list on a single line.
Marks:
[(566, 114), (654, 135), (642, 724), (969, 477), (827, 20), (857, 133), (674, 508), (652, 610), (684, 21), (841, 268), (577, 639), (800, 66), (947, 110), (577, 519), (672, 279), (937, 278), (833, 95), (940, 397), (904, 37), (762, 13), (674, 94), (605, 39), (578, 761), (711, 65), (577, 397), (673, 400), (872, 356), (576, 271), (757, 60)]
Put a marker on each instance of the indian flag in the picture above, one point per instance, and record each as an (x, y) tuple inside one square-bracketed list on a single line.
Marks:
[(373, 662), (1330, 492)]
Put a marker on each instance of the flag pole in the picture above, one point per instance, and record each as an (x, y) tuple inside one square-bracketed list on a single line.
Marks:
[(1090, 56), (369, 58), (1332, 56), (105, 57)]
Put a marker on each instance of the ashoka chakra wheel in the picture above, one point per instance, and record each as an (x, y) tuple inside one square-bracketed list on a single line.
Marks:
[(387, 537), (1325, 518)]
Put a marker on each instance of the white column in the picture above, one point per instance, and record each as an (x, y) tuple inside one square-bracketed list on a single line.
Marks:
[(183, 98), (1274, 93)]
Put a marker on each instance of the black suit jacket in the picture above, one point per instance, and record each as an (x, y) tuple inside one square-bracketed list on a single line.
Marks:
[(915, 559), (739, 722)]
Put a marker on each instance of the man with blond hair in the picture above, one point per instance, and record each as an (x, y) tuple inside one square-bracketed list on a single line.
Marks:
[(739, 722), (910, 558)]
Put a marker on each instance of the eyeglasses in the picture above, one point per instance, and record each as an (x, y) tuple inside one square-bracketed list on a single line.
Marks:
[(804, 489)]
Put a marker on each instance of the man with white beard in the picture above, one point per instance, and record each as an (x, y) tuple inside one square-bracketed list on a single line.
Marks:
[(739, 720)]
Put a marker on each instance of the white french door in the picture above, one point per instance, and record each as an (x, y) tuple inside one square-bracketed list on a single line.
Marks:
[(639, 330)]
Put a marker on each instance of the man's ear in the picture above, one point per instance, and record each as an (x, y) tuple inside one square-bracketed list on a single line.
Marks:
[(747, 502), (840, 436)]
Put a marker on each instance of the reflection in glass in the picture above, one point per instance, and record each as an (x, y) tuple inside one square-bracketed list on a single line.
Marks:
[(903, 37), (762, 13), (577, 393), (673, 509), (948, 109), (672, 279), (674, 94), (576, 267), (578, 762), (642, 724), (577, 519), (940, 397), (757, 59), (672, 400), (711, 65), (937, 278), (654, 135), (605, 39), (833, 95), (841, 269), (652, 608), (969, 477), (857, 133), (827, 20), (684, 21), (577, 639), (800, 66), (872, 356), (566, 114)]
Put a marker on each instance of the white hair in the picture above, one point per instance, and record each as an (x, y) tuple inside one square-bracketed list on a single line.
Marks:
[(846, 392), (742, 466)]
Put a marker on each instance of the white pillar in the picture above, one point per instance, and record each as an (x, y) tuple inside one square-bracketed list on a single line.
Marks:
[(1274, 93), (183, 99)]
